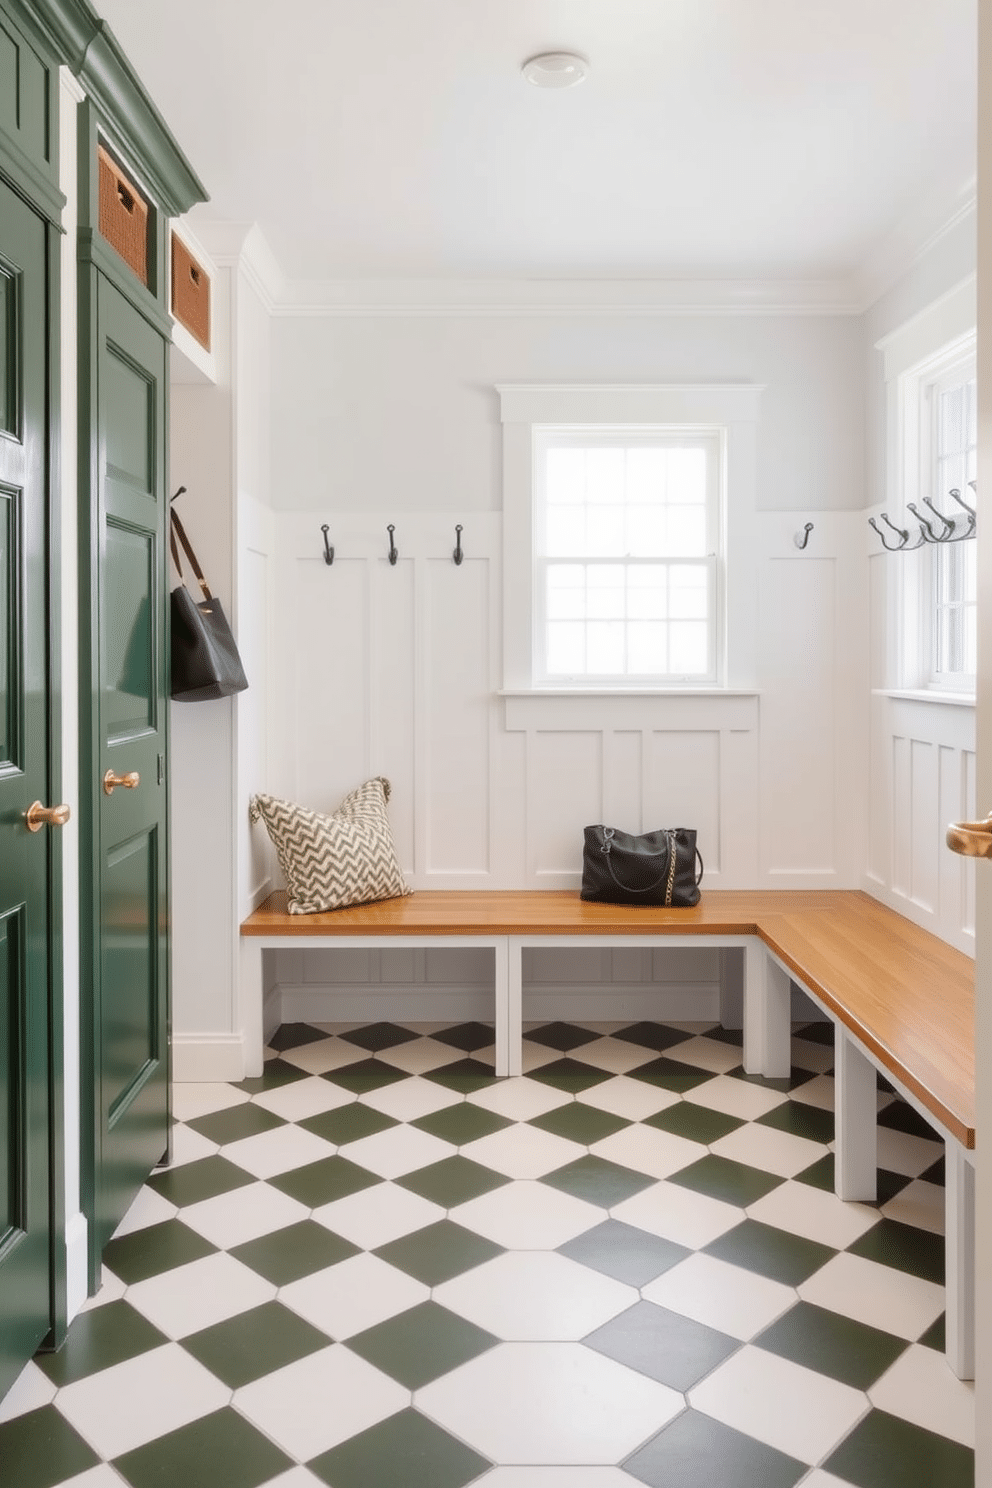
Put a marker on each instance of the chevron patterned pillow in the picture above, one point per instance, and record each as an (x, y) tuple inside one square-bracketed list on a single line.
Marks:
[(332, 861)]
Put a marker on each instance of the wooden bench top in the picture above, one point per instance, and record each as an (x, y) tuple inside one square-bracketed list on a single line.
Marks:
[(905, 994)]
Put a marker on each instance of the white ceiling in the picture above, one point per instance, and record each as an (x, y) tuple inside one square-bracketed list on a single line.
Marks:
[(397, 139)]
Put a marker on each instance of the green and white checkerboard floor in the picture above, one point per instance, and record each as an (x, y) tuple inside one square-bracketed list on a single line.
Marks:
[(378, 1266)]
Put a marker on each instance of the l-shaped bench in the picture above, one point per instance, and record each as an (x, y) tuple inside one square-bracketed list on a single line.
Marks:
[(900, 999)]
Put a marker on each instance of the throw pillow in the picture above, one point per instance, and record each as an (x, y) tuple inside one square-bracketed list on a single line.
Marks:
[(332, 861)]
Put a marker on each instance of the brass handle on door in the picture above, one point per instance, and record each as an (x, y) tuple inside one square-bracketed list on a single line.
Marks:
[(129, 781), (971, 839), (38, 816)]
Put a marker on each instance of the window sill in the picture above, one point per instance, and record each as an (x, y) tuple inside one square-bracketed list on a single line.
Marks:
[(926, 695), (675, 691)]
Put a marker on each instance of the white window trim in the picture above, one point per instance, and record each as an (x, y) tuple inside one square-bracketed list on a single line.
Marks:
[(730, 408)]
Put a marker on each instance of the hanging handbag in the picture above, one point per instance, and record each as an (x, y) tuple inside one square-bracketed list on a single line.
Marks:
[(205, 660), (655, 868)]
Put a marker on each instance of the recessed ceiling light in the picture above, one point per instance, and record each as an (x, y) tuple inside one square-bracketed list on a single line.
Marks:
[(555, 70)]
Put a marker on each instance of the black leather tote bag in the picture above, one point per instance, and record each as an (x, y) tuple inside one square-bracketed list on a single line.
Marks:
[(205, 660), (655, 868)]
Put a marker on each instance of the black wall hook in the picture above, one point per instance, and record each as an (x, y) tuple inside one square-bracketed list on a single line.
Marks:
[(328, 550), (458, 555), (802, 538), (393, 554), (178, 493)]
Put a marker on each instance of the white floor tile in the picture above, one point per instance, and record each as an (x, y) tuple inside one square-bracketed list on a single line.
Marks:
[(377, 1215), (148, 1208), (877, 1295), (612, 1054), (919, 1204), (921, 1388), (189, 1146), (535, 1296), (353, 1295), (535, 1056), (323, 1055), (519, 1099), (555, 1477), (735, 1097), (243, 1214), (406, 1100), (30, 1391), (191, 1101), (707, 1054), (103, 1476), (311, 1405), (192, 1297), (648, 1150), (769, 1149), (679, 1214), (633, 1099), (297, 1477), (303, 1098), (722, 1296), (820, 1479), (527, 1216), (902, 1153), (559, 1403), (814, 1213), (523, 1151), (781, 1403), (809, 1056), (143, 1398), (421, 1055), (277, 1151), (819, 1092), (399, 1150)]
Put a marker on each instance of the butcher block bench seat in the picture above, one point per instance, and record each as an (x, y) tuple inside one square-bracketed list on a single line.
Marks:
[(901, 1001)]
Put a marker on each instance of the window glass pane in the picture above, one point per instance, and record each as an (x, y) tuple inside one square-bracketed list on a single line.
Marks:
[(689, 593), (687, 531), (605, 475), (605, 647), (566, 529), (647, 531), (566, 649), (648, 650), (646, 475), (687, 475), (566, 476), (604, 530), (687, 642), (607, 603)]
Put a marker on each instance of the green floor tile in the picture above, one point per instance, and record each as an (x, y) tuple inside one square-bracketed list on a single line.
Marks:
[(671, 1074), (597, 1181), (821, 1175), (792, 1081), (800, 1120), (732, 1037), (656, 1036), (900, 1116), (365, 1075), (295, 1036), (156, 1248), (467, 1036), (698, 1123), (696, 1451), (253, 1343), (821, 1032), (99, 1338), (276, 1074), (40, 1449), (627, 1254), (776, 1254), (430, 1457), (453, 1180), (936, 1174), (348, 1123), (463, 1123), (219, 1449), (421, 1344), (465, 1075), (672, 1349), (205, 1179), (721, 1178), (438, 1252), (378, 1036), (570, 1074), (324, 1181), (885, 1452), (580, 1123), (905, 1247), (296, 1251), (561, 1036), (237, 1122), (936, 1335), (830, 1344)]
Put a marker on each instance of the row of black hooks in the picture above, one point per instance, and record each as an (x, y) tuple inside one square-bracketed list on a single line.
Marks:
[(957, 528), (392, 552)]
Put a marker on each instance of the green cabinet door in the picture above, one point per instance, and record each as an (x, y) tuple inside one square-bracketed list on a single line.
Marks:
[(130, 713), (25, 1128)]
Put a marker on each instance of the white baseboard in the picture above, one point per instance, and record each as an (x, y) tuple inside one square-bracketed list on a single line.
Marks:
[(76, 1264), (420, 1004), (207, 1056)]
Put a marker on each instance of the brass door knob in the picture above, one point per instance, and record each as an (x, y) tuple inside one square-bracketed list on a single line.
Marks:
[(38, 816), (130, 781), (971, 839)]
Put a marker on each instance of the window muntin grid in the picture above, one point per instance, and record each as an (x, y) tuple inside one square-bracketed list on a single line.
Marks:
[(954, 458)]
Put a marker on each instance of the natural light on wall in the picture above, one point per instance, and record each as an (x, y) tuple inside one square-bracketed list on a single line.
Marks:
[(625, 554)]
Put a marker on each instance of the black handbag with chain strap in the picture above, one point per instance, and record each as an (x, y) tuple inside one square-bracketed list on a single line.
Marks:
[(655, 868)]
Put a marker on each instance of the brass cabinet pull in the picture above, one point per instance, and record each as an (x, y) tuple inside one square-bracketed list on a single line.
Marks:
[(38, 816), (129, 781), (971, 839)]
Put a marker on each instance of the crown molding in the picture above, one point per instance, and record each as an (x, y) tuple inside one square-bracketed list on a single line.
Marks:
[(934, 216), (244, 247)]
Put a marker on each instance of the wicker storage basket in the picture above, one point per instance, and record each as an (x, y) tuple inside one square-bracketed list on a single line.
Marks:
[(123, 216), (190, 293)]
